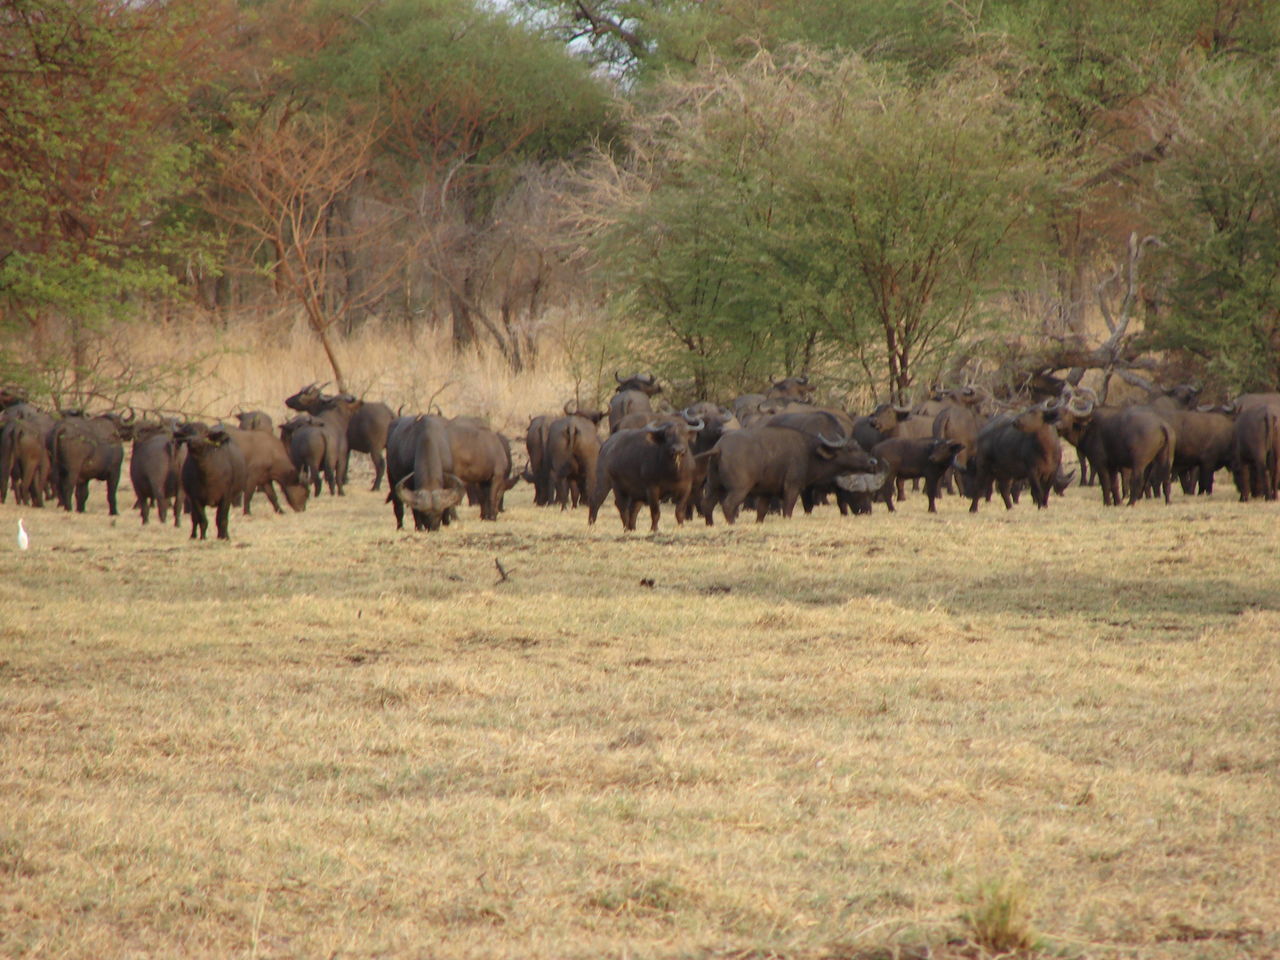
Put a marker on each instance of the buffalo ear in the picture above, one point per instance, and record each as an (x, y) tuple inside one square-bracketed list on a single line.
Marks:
[(825, 452)]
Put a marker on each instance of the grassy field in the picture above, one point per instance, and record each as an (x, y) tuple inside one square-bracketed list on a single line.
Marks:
[(900, 735)]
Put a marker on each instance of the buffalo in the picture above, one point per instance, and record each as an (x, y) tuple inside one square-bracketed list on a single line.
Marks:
[(645, 466), (213, 475), (1257, 451), (267, 463), (909, 459), (82, 449), (420, 471), (307, 442), (155, 469), (632, 396), (572, 449), (767, 462), (1012, 448)]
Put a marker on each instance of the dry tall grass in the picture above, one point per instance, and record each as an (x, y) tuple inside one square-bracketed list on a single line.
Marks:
[(255, 361), (805, 739)]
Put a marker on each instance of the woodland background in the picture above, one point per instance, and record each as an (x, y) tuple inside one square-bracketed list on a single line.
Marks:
[(881, 194)]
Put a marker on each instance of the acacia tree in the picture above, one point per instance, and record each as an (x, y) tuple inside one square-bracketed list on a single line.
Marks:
[(1217, 206), (816, 202), (92, 163)]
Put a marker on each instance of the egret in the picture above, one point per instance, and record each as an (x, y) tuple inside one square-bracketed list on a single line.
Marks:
[(24, 541)]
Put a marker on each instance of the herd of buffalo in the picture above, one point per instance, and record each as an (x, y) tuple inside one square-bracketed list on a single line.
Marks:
[(766, 452)]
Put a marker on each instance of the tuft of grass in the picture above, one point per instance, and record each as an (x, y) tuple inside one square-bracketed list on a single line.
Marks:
[(999, 917)]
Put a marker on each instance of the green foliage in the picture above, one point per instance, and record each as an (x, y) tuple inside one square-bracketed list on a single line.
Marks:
[(452, 80), (813, 205), (92, 162), (1218, 206)]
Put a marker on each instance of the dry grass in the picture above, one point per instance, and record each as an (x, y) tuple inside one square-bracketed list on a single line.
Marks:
[(257, 360), (806, 739)]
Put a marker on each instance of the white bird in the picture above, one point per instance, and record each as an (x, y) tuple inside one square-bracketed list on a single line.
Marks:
[(24, 541)]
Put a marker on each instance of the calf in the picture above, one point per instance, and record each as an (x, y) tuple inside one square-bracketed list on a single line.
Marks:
[(910, 459)]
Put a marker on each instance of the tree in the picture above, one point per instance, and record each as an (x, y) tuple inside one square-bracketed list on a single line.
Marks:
[(1217, 204), (469, 105), (287, 175), (793, 205), (93, 162)]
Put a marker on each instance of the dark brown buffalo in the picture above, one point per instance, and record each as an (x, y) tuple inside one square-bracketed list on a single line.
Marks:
[(155, 469), (367, 433), (632, 396), (538, 472), (267, 463), (572, 449), (83, 449), (352, 424), (767, 462), (1256, 460), (31, 462), (213, 475), (910, 459), (307, 442), (335, 415), (255, 420), (1012, 448), (25, 459), (1206, 440), (1132, 443), (420, 471), (645, 466)]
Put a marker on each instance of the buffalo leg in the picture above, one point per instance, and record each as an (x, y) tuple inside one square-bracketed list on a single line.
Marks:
[(199, 522), (379, 467), (221, 518), (82, 495), (654, 512)]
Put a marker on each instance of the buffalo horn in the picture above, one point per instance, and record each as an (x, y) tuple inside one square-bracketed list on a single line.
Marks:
[(1081, 409), (835, 444), (905, 408), (701, 424), (617, 376)]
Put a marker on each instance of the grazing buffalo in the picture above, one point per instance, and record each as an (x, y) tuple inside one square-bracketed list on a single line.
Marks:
[(213, 475), (632, 396), (83, 449), (645, 466), (307, 442), (155, 469), (767, 462), (1206, 439), (910, 459), (420, 471), (1257, 451), (267, 463)]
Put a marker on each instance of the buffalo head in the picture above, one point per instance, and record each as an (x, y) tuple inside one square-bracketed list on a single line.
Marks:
[(434, 503)]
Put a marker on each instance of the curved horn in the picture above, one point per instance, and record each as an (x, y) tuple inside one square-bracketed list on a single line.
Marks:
[(567, 411), (617, 377), (1082, 409), (701, 424), (835, 444), (402, 489), (905, 408), (647, 377)]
